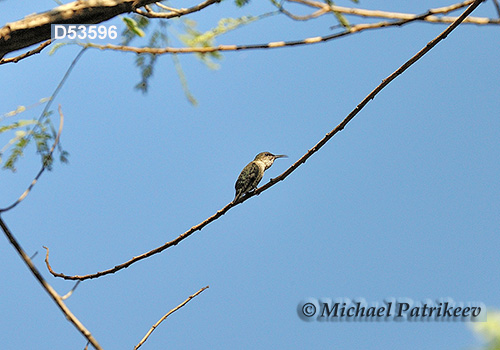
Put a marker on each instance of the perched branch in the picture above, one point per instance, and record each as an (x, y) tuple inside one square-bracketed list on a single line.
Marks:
[(44, 165), (48, 288), (281, 177), (166, 315), (175, 12), (371, 96), (145, 255), (26, 54)]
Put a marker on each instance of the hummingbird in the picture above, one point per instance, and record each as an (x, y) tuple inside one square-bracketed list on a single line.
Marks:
[(254, 171)]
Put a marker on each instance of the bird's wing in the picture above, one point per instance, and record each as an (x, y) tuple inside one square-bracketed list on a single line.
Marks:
[(246, 179)]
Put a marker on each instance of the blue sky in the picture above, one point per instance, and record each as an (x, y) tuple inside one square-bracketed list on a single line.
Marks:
[(403, 203)]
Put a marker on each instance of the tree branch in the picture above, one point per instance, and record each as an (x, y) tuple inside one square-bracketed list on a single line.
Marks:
[(145, 255), (26, 54), (48, 288), (166, 315), (371, 96), (402, 19), (175, 12), (36, 28), (497, 6), (285, 174), (326, 8)]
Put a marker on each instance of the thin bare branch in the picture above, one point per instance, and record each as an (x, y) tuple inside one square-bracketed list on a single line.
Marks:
[(44, 165), (281, 177), (36, 28), (26, 54), (279, 6), (402, 20), (497, 7), (272, 45), (48, 288), (165, 7), (371, 96), (166, 315), (175, 12), (67, 295), (326, 8), (145, 255)]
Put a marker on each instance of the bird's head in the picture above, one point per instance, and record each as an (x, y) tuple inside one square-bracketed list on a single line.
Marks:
[(268, 158)]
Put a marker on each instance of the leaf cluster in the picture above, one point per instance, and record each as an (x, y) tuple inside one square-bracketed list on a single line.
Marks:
[(22, 132)]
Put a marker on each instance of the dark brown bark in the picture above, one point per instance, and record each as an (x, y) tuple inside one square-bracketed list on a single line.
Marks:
[(36, 28)]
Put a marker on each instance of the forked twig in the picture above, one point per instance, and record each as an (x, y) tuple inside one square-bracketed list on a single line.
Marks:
[(166, 315)]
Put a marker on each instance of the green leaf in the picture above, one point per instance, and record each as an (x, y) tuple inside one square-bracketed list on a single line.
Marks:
[(42, 133), (342, 20), (183, 80), (195, 38), (17, 125), (133, 26), (241, 3), (340, 17), (16, 154), (138, 25)]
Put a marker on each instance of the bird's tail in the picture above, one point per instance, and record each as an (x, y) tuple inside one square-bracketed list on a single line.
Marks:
[(237, 196)]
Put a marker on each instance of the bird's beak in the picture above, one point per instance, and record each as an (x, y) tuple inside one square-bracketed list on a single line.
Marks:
[(280, 156)]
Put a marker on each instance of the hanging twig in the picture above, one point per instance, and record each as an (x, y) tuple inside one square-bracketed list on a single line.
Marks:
[(44, 165)]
